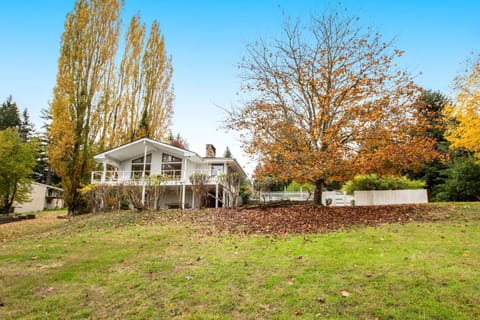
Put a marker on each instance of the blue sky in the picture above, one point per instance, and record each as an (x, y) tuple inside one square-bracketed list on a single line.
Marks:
[(207, 39)]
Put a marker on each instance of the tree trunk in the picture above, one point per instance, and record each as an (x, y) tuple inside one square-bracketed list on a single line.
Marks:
[(317, 195), (74, 205)]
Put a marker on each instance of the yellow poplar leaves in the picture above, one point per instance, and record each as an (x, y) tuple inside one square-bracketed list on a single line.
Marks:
[(464, 131), (88, 46), (97, 105)]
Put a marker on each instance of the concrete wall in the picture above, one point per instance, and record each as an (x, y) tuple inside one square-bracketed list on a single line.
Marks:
[(385, 197)]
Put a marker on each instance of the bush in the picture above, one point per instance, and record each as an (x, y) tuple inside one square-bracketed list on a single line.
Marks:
[(461, 183), (245, 193), (374, 182), (296, 187)]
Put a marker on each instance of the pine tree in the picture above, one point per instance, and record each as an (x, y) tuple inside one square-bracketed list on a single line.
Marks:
[(9, 115), (227, 153), (27, 129)]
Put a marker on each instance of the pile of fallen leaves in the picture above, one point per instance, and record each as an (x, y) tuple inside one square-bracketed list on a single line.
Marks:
[(306, 218)]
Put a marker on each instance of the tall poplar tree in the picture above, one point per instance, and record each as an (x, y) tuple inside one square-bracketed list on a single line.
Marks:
[(157, 95), (138, 97), (97, 103), (88, 48)]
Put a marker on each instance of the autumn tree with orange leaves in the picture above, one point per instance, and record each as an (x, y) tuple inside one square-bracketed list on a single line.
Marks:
[(97, 105), (328, 103)]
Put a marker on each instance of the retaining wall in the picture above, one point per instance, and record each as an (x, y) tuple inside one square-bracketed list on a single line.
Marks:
[(386, 197)]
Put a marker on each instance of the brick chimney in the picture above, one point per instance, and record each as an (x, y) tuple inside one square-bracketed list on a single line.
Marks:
[(210, 151)]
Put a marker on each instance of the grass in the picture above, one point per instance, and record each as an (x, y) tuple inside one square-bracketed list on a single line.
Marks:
[(141, 266)]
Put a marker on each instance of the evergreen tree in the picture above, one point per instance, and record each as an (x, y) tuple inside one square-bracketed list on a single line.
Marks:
[(431, 106), (227, 153), (143, 128), (27, 128), (462, 181), (9, 115)]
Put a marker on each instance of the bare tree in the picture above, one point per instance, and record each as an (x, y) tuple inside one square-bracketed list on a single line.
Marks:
[(199, 187), (231, 184)]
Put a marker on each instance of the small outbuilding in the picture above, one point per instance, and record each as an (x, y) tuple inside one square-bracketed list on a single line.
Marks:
[(42, 197)]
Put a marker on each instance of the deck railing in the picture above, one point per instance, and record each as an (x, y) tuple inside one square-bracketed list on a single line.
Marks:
[(117, 177)]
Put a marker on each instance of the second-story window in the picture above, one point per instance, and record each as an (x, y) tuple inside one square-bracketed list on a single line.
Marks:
[(139, 163), (171, 166), (217, 169)]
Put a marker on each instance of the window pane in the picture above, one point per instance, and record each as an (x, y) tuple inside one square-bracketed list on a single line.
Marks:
[(140, 160), (217, 169), (138, 165), (172, 170), (170, 158)]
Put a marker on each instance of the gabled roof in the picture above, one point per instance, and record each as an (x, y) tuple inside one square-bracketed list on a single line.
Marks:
[(137, 147), (47, 186)]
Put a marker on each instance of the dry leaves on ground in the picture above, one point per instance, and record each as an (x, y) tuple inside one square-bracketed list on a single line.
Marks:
[(306, 218)]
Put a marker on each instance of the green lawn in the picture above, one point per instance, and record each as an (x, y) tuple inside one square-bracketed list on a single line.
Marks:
[(141, 266)]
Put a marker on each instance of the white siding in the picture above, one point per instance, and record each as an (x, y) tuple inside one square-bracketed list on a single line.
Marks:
[(37, 202), (156, 166)]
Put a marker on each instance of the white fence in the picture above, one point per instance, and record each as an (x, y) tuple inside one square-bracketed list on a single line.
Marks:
[(337, 198), (385, 197), (360, 198)]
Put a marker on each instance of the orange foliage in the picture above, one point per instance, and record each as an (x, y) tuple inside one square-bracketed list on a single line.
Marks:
[(329, 105)]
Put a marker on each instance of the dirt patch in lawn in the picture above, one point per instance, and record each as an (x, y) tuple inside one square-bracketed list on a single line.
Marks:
[(308, 218), (21, 228)]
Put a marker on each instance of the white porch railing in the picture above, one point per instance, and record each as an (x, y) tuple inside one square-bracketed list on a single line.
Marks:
[(118, 177)]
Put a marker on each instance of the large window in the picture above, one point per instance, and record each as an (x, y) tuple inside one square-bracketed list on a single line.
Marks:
[(217, 169), (171, 166), (139, 163)]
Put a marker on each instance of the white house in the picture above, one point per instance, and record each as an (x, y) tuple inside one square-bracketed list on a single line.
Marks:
[(42, 197), (132, 163)]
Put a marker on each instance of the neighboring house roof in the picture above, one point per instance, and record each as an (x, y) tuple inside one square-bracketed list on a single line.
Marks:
[(129, 150), (48, 186)]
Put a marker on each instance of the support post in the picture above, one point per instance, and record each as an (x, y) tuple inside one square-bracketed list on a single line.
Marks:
[(216, 196), (104, 175), (224, 198), (193, 200), (183, 196), (143, 171)]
